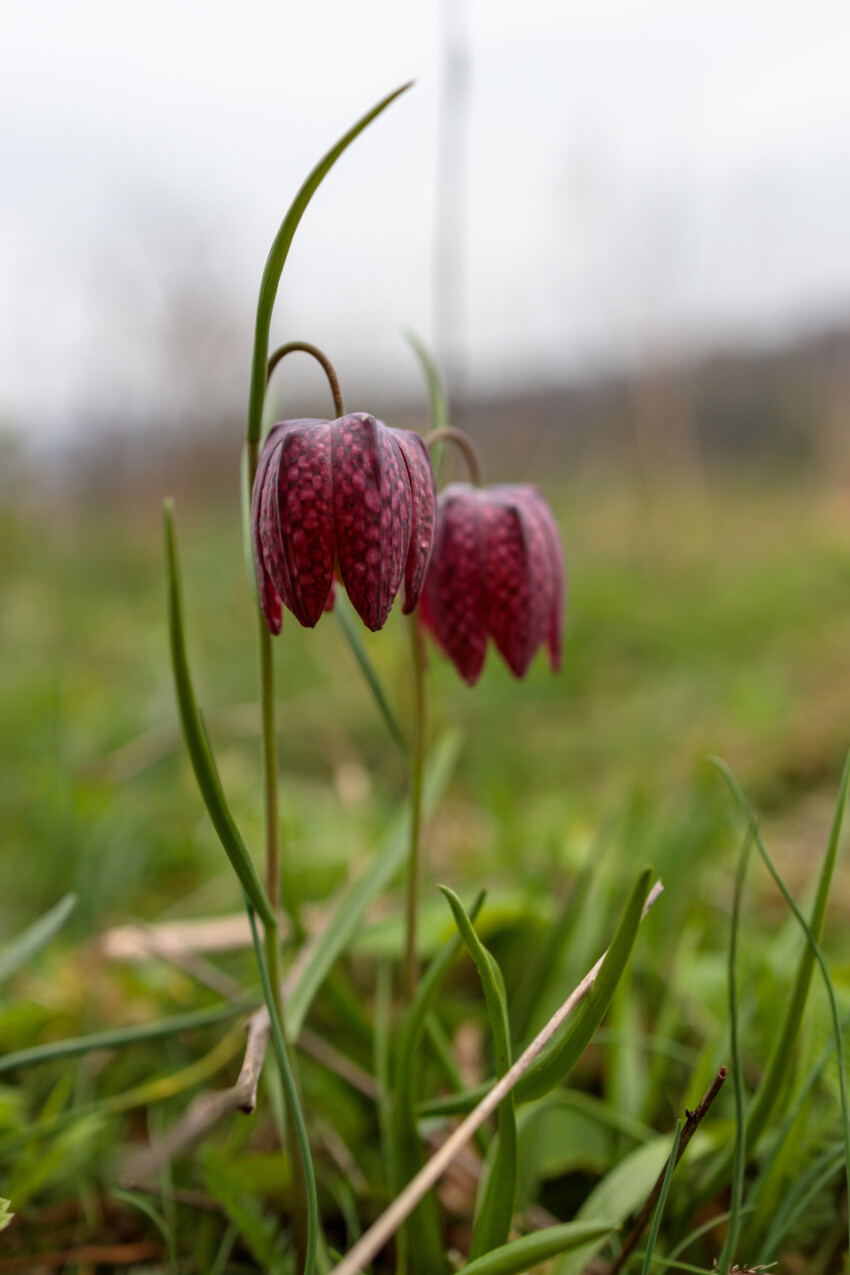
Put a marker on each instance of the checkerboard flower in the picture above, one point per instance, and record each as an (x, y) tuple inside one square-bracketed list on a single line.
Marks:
[(351, 497), (496, 571)]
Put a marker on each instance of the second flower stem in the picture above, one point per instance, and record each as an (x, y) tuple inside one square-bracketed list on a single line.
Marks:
[(269, 768), (417, 764)]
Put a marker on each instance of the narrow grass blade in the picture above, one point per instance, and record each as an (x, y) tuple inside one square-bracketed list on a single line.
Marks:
[(419, 1239), (783, 1148), (553, 1067), (698, 1232), (381, 1062), (813, 945), (740, 1145), (203, 764), (277, 259), (497, 1204), (670, 1264), (778, 1067), (662, 1200), (547, 952), (16, 954), (438, 407), (144, 1205), (352, 905), (225, 1248), (118, 1037), (801, 1196), (343, 613), (292, 1098), (531, 1250), (260, 1232), (160, 1089)]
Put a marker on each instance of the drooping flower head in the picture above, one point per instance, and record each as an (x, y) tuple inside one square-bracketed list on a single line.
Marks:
[(496, 571), (351, 495)]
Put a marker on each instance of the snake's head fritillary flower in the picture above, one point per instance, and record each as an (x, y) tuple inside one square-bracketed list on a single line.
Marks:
[(350, 496), (496, 571)]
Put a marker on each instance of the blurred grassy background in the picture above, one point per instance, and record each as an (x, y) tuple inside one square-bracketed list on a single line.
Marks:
[(704, 617)]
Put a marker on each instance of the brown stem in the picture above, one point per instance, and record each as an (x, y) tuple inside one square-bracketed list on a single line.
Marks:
[(693, 1119), (304, 347), (464, 443)]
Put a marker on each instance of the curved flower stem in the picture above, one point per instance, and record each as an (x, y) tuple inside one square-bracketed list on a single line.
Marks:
[(304, 347), (417, 764), (464, 443)]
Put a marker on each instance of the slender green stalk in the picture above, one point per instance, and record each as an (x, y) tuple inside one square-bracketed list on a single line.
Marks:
[(417, 764), (17, 953), (293, 1102), (344, 616), (497, 1197), (273, 876), (119, 1037), (197, 741), (740, 1152), (269, 768), (662, 1200)]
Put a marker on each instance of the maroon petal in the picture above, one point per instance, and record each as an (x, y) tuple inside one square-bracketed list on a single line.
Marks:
[(371, 504), (525, 576), (555, 574), (511, 617), (264, 520), (269, 599), (454, 603), (423, 498), (304, 521)]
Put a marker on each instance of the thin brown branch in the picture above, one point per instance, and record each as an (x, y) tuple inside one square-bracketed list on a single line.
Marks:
[(403, 1205), (461, 441), (693, 1119)]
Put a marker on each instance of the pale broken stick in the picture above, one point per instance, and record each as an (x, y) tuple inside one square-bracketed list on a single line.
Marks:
[(206, 1111), (403, 1205), (208, 1108)]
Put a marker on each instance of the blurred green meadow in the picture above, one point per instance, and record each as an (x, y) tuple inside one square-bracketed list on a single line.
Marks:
[(709, 618)]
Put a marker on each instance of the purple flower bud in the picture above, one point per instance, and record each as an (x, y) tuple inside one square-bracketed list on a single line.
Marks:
[(350, 495), (496, 571)]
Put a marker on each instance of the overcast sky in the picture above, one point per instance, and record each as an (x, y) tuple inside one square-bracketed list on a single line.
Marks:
[(641, 176)]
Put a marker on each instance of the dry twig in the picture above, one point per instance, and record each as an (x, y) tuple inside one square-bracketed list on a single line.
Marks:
[(693, 1119), (206, 1110), (209, 1108)]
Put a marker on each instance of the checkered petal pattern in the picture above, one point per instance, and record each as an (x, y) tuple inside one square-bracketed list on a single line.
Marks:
[(496, 571), (350, 496)]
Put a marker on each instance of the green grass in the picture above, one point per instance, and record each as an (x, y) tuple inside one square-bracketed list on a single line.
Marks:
[(693, 629)]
